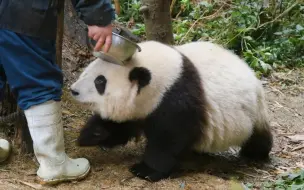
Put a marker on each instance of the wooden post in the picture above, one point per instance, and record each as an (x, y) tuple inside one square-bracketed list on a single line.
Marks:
[(60, 29), (23, 136), (158, 20)]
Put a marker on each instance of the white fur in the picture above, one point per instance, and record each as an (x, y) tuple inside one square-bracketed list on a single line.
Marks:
[(234, 95), (120, 101)]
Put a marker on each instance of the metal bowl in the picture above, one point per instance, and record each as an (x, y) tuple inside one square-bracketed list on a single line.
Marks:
[(121, 49)]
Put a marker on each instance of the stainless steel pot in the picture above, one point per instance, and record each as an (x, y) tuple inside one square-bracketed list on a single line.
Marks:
[(121, 49)]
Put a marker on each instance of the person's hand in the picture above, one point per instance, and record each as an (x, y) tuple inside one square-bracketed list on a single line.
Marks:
[(102, 36)]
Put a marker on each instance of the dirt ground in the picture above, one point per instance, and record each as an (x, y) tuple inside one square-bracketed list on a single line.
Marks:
[(285, 97)]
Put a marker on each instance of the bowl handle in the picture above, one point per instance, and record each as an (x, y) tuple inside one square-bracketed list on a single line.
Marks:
[(138, 48)]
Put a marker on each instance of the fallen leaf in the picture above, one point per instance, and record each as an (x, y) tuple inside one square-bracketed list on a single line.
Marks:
[(296, 138), (34, 186), (64, 111)]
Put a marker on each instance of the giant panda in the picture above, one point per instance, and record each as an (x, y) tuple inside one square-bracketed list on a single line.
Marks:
[(194, 97)]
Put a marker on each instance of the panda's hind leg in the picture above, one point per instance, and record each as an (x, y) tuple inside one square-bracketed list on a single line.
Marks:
[(259, 145)]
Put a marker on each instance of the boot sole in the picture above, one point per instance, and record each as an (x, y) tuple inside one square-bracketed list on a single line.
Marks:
[(65, 179)]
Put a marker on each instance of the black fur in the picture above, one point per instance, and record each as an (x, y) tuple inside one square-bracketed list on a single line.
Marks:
[(174, 126), (74, 93), (141, 75), (92, 133), (106, 133), (171, 130), (259, 145), (100, 84)]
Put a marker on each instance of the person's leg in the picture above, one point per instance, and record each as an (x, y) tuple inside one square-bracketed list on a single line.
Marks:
[(2, 81), (35, 78)]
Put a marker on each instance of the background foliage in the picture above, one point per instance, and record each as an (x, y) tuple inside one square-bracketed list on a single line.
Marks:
[(266, 37), (293, 180)]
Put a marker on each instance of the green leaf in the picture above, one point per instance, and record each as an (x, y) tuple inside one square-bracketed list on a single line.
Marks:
[(268, 54), (248, 38), (293, 176), (266, 67), (278, 33), (299, 27), (255, 63), (297, 187)]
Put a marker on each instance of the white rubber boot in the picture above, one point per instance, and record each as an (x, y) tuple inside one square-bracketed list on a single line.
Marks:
[(5, 149), (46, 129)]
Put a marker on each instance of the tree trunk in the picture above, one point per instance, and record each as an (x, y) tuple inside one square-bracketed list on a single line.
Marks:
[(23, 137), (60, 28), (13, 123), (157, 20), (74, 28)]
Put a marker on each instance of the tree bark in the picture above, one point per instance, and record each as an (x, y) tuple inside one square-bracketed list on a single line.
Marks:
[(60, 28), (14, 124), (157, 20), (23, 137), (74, 28)]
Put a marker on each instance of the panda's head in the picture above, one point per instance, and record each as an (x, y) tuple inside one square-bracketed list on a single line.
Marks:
[(110, 89), (134, 90)]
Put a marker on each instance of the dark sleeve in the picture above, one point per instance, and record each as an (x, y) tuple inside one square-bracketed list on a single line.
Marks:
[(94, 12)]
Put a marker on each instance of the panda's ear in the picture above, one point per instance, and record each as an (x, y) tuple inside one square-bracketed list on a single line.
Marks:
[(141, 75)]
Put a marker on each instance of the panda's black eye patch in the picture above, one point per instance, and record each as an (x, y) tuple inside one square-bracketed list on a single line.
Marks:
[(100, 84)]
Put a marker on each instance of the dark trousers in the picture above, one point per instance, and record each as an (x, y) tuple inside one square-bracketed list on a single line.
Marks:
[(29, 66)]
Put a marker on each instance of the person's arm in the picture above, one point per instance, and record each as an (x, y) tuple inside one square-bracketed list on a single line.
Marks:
[(98, 15), (95, 12)]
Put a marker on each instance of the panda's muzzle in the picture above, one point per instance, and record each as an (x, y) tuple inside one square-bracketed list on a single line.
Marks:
[(74, 92)]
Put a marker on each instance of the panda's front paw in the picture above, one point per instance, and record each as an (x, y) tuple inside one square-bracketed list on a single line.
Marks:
[(143, 171), (112, 141)]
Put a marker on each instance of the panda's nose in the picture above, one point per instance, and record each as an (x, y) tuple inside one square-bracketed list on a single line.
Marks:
[(74, 92)]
